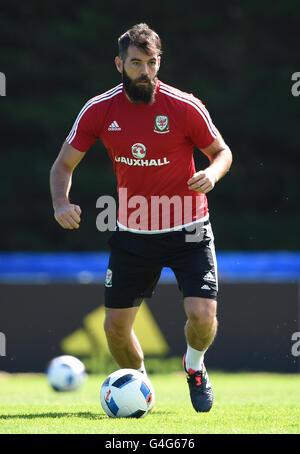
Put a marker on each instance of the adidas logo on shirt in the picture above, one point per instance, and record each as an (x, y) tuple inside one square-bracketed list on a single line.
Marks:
[(114, 127)]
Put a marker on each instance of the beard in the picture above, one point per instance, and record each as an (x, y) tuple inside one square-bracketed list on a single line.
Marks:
[(139, 94)]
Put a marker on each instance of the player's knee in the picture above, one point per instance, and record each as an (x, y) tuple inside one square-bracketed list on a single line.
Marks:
[(202, 312), (115, 330)]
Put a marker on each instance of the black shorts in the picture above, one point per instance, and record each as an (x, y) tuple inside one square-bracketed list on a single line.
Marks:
[(136, 261)]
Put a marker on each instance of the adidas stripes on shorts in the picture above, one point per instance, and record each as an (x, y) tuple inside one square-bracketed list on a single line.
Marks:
[(136, 261)]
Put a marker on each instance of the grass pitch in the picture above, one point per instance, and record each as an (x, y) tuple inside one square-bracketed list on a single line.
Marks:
[(244, 404)]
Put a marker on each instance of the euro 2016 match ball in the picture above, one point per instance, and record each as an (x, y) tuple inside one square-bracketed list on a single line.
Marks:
[(65, 373), (127, 393)]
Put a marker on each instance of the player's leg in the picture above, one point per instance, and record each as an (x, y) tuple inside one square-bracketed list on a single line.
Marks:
[(200, 328), (130, 278), (122, 341), (196, 273)]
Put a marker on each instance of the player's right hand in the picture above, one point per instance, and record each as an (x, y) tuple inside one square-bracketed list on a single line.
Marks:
[(68, 216)]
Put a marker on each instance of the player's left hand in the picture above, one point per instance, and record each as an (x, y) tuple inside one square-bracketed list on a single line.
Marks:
[(202, 181)]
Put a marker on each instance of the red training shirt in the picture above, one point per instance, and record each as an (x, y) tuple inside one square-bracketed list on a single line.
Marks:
[(151, 147)]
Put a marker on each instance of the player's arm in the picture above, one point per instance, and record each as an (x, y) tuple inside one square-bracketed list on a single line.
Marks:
[(66, 213), (220, 157)]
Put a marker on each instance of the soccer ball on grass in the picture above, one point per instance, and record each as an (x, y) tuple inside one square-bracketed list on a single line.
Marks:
[(65, 373), (127, 393)]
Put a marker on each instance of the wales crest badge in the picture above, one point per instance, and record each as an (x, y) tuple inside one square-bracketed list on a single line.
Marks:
[(161, 124)]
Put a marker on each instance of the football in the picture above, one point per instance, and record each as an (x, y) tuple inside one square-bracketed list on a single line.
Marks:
[(65, 373), (127, 393)]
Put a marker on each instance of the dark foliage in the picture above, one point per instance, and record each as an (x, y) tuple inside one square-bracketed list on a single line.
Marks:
[(238, 57)]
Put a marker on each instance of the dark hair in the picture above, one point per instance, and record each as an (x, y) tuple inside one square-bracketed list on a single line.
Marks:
[(140, 35)]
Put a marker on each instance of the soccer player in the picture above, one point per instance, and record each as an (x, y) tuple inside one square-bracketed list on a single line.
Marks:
[(150, 130)]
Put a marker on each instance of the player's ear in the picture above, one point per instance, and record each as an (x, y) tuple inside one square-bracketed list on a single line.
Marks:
[(119, 64), (158, 62)]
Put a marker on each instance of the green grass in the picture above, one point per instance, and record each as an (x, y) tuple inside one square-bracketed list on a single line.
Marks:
[(244, 403)]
